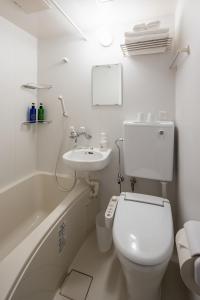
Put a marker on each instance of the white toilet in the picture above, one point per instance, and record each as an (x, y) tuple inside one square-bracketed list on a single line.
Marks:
[(143, 238), (143, 226)]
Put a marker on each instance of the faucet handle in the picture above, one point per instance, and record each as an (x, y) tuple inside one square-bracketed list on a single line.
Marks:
[(72, 128), (73, 133)]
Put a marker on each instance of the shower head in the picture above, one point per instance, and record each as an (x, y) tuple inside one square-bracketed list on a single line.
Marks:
[(65, 114)]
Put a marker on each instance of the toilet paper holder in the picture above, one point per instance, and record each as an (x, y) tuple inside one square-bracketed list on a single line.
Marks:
[(197, 271), (188, 262)]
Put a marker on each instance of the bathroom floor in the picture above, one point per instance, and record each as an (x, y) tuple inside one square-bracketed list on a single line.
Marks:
[(104, 278)]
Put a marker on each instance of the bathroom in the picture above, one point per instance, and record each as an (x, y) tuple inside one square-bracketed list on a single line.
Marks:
[(50, 51)]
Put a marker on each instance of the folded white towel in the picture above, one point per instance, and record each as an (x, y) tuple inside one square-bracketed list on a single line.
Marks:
[(146, 26), (139, 27), (146, 38), (154, 24), (192, 231), (146, 32)]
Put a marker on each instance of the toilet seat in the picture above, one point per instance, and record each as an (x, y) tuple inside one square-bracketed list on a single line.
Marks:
[(143, 229)]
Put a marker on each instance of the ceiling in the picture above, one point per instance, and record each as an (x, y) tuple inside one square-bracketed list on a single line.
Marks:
[(88, 14)]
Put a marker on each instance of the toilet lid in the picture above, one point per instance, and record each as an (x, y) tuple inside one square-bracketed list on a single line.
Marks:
[(143, 228)]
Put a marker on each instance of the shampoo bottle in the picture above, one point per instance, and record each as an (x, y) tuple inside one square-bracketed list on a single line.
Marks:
[(41, 113), (32, 113)]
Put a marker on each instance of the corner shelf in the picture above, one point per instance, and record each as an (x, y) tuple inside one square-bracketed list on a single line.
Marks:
[(33, 86), (37, 122)]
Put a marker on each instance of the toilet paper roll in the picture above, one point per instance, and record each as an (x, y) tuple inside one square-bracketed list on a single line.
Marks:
[(186, 262)]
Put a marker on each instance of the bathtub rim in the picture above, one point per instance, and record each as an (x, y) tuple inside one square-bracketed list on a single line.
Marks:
[(29, 176), (13, 266)]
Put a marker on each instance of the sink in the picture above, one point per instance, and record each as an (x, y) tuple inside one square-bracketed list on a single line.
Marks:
[(87, 159)]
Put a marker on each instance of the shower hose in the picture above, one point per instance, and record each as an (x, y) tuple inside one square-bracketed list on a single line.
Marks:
[(61, 187)]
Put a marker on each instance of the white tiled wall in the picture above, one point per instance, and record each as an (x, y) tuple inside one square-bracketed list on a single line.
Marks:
[(18, 65)]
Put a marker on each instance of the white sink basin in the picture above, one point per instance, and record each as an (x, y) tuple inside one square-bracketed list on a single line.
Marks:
[(87, 159)]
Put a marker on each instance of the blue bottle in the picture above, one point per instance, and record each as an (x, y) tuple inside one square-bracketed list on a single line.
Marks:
[(32, 114)]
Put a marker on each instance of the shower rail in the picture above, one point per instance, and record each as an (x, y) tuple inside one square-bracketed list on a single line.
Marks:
[(69, 19)]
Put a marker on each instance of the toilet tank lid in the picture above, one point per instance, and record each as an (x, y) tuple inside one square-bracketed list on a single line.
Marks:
[(143, 231)]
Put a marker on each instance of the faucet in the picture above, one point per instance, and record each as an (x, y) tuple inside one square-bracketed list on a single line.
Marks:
[(74, 134)]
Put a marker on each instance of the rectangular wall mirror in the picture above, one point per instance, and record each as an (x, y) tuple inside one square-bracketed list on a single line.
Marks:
[(107, 85)]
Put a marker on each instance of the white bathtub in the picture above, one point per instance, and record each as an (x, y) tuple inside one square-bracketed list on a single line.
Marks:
[(41, 229)]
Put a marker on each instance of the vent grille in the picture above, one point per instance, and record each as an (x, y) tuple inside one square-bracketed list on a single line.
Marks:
[(147, 47)]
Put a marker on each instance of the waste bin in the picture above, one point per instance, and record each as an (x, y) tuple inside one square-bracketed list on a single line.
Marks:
[(104, 235)]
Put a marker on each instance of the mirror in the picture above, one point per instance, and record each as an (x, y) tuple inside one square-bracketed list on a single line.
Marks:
[(107, 85)]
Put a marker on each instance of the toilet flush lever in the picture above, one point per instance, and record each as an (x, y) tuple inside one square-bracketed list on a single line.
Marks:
[(110, 211), (161, 132)]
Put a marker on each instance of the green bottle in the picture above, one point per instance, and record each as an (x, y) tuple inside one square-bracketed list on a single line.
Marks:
[(41, 113)]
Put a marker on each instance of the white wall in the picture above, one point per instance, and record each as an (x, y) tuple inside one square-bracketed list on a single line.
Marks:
[(148, 85), (187, 114), (18, 65)]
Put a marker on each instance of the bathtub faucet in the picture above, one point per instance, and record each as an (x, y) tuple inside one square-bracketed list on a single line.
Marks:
[(74, 134)]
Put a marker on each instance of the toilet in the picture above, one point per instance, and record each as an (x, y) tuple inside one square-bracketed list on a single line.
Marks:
[(143, 226), (143, 239)]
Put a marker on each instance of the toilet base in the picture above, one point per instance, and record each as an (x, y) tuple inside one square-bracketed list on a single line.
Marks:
[(143, 282)]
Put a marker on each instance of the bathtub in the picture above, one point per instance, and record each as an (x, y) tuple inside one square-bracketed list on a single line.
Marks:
[(41, 230)]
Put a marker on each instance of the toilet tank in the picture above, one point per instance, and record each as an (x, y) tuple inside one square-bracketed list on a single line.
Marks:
[(148, 150)]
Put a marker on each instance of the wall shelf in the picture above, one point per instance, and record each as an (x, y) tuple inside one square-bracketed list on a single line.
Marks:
[(146, 47), (37, 122)]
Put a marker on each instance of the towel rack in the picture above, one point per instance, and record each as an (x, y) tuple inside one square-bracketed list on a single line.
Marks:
[(180, 51), (146, 47)]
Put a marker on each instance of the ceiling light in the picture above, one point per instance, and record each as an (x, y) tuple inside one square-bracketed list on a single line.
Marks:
[(105, 38), (103, 1)]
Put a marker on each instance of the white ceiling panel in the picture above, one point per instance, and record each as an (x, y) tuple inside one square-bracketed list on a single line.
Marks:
[(88, 14)]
